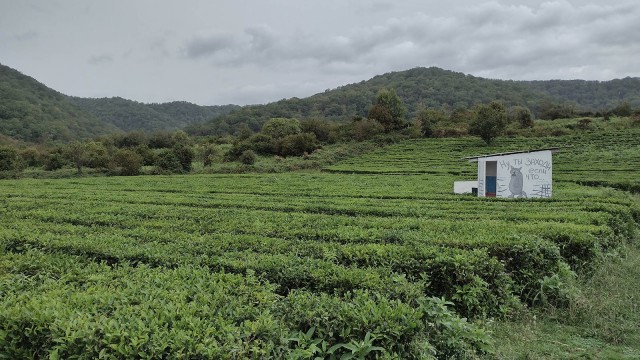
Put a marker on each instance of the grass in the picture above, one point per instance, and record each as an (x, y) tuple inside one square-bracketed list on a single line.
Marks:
[(602, 322)]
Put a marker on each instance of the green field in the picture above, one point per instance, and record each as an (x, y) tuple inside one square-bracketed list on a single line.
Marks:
[(374, 257)]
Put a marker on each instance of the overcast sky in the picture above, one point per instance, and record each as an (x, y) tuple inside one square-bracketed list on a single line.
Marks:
[(256, 51)]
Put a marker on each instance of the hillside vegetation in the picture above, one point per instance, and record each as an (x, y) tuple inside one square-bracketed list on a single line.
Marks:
[(128, 115), (33, 113), (421, 88), (30, 111)]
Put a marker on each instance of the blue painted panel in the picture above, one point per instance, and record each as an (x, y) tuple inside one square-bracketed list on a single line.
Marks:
[(491, 184)]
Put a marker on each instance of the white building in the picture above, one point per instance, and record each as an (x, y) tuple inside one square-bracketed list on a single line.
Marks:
[(518, 174)]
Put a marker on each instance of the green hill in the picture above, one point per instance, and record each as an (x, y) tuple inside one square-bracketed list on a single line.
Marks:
[(130, 115), (434, 87), (32, 112)]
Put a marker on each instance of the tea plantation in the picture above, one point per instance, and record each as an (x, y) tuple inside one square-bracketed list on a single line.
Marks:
[(372, 258)]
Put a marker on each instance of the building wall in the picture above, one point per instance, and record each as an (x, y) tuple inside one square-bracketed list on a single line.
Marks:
[(527, 175)]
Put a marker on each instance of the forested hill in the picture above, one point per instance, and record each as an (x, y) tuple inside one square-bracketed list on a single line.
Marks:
[(30, 111), (433, 87), (130, 115)]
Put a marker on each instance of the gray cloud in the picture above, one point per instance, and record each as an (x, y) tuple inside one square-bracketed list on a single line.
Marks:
[(220, 51), (26, 36), (486, 36), (100, 59)]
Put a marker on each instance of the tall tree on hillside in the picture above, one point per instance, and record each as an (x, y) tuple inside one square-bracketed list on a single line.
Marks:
[(76, 153), (490, 121), (427, 118), (388, 110)]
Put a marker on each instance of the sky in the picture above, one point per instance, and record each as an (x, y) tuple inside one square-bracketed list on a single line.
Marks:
[(258, 51)]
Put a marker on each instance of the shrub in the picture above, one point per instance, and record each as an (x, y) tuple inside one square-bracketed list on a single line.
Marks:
[(490, 121), (298, 144), (54, 161), (262, 143), (10, 162), (366, 129), (248, 157), (428, 118), (278, 128), (167, 162), (126, 162)]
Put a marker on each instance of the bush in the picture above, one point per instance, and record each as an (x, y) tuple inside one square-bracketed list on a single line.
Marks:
[(10, 162), (324, 130), (262, 144), (126, 162), (278, 128), (490, 121), (521, 115), (167, 162), (428, 118), (248, 157), (366, 129), (31, 156), (54, 161), (298, 144)]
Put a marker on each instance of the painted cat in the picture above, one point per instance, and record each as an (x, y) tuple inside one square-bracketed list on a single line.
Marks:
[(516, 183)]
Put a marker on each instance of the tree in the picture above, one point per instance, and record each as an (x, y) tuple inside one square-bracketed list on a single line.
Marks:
[(388, 110), (76, 153), (366, 129), (167, 162), (278, 128), (126, 162), (97, 155), (521, 115), (490, 121), (262, 143), (623, 109), (185, 155), (427, 118), (248, 157), (298, 144), (10, 162), (207, 154)]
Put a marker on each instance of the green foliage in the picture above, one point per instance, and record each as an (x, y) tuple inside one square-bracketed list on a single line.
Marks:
[(388, 110), (248, 157), (32, 156), (428, 118), (262, 144), (184, 154), (366, 129), (128, 115), (167, 162), (10, 162), (54, 161), (279, 128), (126, 162), (434, 88), (324, 130), (31, 112), (297, 144), (76, 153), (520, 115), (490, 121), (386, 264), (207, 154)]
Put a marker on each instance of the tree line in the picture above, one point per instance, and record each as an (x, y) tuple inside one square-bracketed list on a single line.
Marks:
[(164, 152)]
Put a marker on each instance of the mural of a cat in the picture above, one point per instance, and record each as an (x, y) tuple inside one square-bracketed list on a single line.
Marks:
[(516, 183)]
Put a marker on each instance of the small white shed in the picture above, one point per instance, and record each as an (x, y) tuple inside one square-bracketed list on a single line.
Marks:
[(518, 174)]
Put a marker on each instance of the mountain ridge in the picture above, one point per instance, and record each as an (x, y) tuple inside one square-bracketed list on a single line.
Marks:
[(432, 88), (32, 112)]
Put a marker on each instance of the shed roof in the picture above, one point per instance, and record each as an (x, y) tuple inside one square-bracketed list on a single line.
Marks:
[(475, 158)]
